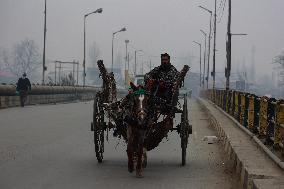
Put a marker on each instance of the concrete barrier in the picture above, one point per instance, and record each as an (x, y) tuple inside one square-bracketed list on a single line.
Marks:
[(251, 165), (45, 94)]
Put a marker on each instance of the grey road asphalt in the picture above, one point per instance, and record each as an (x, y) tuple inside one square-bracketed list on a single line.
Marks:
[(51, 147)]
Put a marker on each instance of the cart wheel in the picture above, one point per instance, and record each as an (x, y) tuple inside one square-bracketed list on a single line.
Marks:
[(184, 131), (98, 127)]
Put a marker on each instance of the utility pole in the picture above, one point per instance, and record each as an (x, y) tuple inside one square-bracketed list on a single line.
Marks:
[(214, 49), (44, 39), (199, 44), (204, 64), (209, 49), (126, 61), (228, 47)]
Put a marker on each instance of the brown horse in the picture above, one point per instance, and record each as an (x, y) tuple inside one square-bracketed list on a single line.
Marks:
[(136, 131), (144, 133)]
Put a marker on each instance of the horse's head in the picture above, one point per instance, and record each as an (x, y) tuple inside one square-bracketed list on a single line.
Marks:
[(140, 104)]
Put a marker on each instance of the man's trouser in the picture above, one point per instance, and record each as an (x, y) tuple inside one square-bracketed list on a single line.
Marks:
[(23, 97)]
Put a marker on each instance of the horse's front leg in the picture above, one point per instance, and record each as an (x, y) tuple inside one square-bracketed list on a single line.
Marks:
[(130, 151), (144, 157), (140, 153)]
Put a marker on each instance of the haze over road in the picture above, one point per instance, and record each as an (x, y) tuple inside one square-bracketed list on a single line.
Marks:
[(51, 146)]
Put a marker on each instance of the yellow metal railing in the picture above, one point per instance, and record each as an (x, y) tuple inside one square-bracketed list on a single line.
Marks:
[(261, 115)]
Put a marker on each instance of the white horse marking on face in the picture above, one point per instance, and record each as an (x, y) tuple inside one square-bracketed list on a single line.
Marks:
[(141, 98)]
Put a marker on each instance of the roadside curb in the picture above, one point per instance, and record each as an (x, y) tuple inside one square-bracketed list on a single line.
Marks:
[(251, 177)]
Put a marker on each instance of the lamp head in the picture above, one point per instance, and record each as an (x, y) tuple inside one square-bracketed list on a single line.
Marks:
[(100, 10)]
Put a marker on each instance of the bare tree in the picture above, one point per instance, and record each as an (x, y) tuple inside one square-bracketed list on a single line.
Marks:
[(25, 56), (4, 58), (280, 59), (94, 54)]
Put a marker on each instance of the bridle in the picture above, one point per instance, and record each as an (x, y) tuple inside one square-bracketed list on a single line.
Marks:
[(140, 112)]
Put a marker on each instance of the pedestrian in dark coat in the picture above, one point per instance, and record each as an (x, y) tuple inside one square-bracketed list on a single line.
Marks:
[(23, 86)]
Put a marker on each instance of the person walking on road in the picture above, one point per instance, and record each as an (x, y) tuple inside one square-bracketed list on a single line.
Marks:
[(23, 86)]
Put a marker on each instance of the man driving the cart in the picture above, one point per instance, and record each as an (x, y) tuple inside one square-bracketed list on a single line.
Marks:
[(160, 81)]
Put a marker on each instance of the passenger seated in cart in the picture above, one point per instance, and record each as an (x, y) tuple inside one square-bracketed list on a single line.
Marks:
[(160, 80)]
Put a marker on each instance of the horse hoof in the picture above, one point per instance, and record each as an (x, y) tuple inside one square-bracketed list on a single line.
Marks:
[(130, 168), (139, 174)]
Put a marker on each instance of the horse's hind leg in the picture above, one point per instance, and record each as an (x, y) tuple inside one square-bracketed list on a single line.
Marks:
[(130, 150)]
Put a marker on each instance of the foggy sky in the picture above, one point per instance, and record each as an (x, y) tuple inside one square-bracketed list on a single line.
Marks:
[(156, 26)]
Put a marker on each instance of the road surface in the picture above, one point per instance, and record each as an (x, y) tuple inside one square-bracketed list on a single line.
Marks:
[(51, 146)]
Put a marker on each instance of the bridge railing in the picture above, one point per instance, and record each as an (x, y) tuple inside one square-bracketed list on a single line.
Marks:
[(45, 94), (263, 116)]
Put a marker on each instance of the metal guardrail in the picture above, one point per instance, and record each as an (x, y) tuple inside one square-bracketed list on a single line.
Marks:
[(263, 116)]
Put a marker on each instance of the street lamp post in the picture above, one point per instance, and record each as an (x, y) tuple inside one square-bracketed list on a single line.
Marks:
[(44, 39), (214, 46), (209, 42), (205, 37), (113, 34), (100, 10), (126, 60), (199, 60)]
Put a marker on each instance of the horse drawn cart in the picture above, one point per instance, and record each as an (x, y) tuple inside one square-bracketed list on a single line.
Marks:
[(141, 118)]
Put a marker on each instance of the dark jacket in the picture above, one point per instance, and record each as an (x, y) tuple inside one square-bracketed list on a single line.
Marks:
[(23, 84), (167, 74), (165, 77)]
